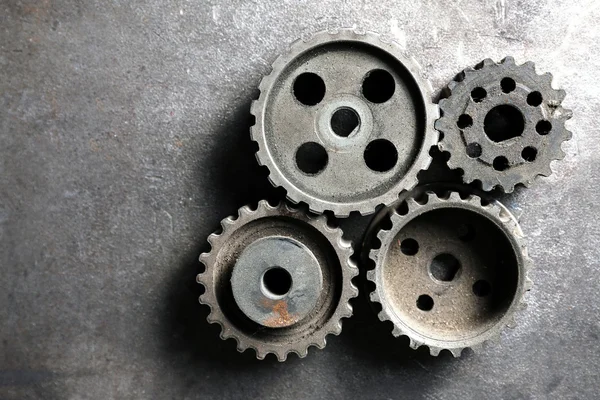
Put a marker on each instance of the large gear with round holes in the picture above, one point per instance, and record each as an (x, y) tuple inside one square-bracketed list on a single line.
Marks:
[(344, 122), (503, 124), (450, 272), (278, 280)]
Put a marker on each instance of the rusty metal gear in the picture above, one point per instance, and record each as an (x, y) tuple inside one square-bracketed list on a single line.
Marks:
[(450, 272), (278, 280), (344, 122), (503, 124)]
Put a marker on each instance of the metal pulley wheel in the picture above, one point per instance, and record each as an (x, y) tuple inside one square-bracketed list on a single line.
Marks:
[(278, 280), (450, 272), (344, 122)]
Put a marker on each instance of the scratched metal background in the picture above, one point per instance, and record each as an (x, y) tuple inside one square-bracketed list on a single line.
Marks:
[(124, 140)]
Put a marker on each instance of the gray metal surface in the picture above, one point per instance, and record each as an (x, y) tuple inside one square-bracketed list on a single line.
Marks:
[(386, 146), (124, 141), (503, 124), (265, 314), (449, 272)]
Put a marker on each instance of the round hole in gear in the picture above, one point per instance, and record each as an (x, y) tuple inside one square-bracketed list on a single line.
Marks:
[(482, 288), (381, 155), (311, 158), (276, 282), (378, 86), (508, 85), (529, 154), (344, 121), (444, 267), (478, 94), (534, 99), (464, 121), (473, 150), (503, 122), (309, 88), (500, 163), (425, 302), (409, 246), (543, 127)]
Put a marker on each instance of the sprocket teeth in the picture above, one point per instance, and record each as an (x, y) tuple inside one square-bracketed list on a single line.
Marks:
[(487, 73), (264, 209), (278, 178), (493, 210)]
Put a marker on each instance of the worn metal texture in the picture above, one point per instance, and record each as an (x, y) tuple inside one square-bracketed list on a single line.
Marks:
[(503, 124), (344, 101), (270, 317), (124, 141), (449, 272)]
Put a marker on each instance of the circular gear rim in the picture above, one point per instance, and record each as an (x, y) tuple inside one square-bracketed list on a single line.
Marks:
[(333, 326), (496, 212), (452, 140), (422, 160)]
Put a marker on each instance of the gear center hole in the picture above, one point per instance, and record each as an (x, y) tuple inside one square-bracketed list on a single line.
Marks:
[(503, 122), (276, 282), (444, 267), (344, 121)]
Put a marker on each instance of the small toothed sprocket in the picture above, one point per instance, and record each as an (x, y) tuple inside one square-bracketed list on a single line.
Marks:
[(450, 272), (278, 280), (503, 124)]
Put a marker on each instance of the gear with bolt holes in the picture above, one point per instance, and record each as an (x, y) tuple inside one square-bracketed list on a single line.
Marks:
[(344, 122), (450, 272), (503, 124), (278, 280)]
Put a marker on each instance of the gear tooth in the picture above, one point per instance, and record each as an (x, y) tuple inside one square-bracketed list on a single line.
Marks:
[(396, 332), (456, 352), (488, 62), (212, 238), (383, 316), (413, 344), (454, 196), (260, 354), (560, 95), (374, 297), (508, 60), (371, 275), (434, 351)]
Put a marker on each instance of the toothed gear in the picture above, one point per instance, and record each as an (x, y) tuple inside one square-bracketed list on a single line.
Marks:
[(451, 272), (278, 280), (344, 122), (503, 124)]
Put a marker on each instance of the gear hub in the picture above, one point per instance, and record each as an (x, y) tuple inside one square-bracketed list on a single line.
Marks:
[(278, 280), (503, 124), (344, 122), (450, 272)]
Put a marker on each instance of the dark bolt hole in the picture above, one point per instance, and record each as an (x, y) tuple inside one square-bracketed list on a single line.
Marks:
[(344, 121), (311, 158), (503, 122), (277, 281), (444, 267), (425, 302)]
